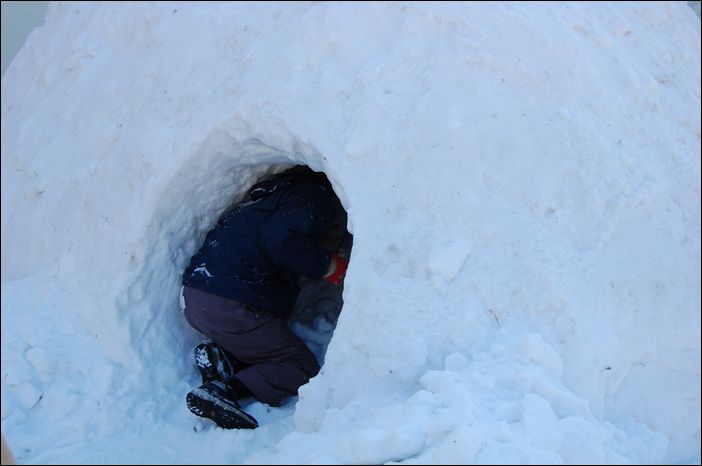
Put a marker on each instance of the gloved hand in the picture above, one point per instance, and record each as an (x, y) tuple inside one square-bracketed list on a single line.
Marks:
[(337, 269)]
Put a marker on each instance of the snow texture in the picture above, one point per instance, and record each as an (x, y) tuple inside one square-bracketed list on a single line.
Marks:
[(523, 186)]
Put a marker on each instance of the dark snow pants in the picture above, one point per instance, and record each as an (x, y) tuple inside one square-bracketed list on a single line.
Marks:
[(275, 361)]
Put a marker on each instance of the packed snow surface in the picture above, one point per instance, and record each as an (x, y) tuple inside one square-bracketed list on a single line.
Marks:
[(522, 181)]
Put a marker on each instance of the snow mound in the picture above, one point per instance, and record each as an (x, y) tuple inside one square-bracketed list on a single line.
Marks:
[(522, 184)]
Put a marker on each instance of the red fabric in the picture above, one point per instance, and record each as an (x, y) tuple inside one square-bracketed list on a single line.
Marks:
[(339, 272)]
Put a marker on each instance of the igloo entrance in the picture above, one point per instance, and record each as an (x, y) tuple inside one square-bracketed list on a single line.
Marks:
[(250, 273)]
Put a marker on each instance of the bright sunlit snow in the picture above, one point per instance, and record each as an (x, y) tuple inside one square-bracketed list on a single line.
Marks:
[(522, 181)]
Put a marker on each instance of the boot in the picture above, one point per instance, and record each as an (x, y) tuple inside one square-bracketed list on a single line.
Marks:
[(215, 401), (213, 363)]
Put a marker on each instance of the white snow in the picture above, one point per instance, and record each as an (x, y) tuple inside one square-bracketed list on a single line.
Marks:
[(523, 186), (203, 270)]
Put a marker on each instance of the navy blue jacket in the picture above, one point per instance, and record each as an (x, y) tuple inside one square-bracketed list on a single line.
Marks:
[(260, 247)]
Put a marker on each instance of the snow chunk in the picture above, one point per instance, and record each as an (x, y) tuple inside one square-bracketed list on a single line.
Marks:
[(446, 260), (535, 348)]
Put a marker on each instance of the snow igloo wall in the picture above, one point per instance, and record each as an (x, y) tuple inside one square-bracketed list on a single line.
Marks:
[(522, 184)]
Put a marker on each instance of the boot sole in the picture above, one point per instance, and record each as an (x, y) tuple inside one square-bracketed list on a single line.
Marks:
[(225, 414)]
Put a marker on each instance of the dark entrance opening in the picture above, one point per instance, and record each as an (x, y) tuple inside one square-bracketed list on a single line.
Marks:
[(275, 254)]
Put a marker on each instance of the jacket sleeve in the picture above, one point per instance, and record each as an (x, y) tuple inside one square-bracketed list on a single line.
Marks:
[(293, 235)]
